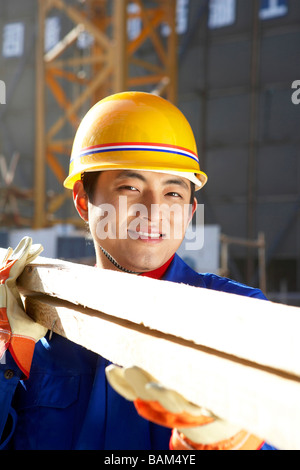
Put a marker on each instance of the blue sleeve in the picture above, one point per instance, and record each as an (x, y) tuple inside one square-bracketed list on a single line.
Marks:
[(223, 284), (267, 446), (10, 376)]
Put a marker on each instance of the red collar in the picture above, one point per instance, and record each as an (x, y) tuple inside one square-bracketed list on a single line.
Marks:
[(159, 272)]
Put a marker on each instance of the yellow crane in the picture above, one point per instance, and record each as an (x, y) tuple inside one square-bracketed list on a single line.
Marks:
[(116, 61)]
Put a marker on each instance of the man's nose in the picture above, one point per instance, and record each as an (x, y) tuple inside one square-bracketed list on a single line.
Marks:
[(153, 204)]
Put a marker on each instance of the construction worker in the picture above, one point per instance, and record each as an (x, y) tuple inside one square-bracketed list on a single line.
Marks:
[(134, 159)]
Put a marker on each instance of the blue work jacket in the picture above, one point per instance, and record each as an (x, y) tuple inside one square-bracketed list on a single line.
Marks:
[(67, 402)]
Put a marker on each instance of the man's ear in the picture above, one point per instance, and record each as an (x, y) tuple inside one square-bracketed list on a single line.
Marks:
[(80, 199), (194, 207)]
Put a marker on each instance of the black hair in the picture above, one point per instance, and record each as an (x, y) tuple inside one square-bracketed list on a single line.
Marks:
[(193, 191), (89, 180)]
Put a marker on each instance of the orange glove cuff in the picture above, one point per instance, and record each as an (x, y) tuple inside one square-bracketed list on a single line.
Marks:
[(20, 347), (5, 331), (4, 271), (240, 441), (155, 412)]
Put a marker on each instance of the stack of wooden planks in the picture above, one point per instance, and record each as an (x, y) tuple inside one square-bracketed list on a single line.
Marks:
[(234, 355)]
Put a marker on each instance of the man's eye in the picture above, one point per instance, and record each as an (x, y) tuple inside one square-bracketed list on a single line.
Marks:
[(129, 188), (173, 194)]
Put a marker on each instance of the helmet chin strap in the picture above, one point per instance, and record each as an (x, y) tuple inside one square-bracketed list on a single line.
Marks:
[(115, 263)]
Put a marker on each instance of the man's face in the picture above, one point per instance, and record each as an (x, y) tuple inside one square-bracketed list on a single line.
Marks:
[(139, 217)]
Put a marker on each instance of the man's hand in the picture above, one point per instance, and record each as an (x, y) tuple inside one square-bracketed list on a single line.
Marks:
[(18, 332), (193, 427)]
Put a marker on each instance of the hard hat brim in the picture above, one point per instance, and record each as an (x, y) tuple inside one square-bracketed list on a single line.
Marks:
[(199, 179)]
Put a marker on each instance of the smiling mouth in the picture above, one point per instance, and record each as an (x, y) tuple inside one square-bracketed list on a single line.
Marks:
[(146, 235), (150, 235)]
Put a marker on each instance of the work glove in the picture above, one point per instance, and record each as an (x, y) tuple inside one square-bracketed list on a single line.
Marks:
[(193, 427), (18, 332)]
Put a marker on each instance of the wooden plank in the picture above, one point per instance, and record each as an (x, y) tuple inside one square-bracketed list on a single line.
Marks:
[(262, 332), (234, 355), (261, 402)]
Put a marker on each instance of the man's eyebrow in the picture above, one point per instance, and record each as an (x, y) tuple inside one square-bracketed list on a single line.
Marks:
[(130, 174), (133, 174), (178, 181)]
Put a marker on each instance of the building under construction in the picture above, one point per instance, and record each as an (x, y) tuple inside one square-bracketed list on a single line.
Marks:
[(231, 66)]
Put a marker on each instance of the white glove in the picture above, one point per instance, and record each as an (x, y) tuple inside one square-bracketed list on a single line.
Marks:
[(18, 332), (202, 426)]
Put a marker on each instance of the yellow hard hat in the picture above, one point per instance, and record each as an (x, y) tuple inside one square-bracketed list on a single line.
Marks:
[(135, 130)]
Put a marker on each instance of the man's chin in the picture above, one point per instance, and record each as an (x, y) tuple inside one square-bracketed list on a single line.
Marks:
[(139, 257), (142, 265)]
